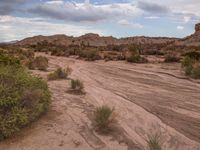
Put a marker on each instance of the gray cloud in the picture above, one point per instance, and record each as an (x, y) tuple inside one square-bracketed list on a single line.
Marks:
[(153, 7), (8, 6), (66, 14), (5, 9), (79, 12)]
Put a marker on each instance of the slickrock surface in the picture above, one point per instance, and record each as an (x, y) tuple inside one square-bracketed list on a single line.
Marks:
[(149, 99)]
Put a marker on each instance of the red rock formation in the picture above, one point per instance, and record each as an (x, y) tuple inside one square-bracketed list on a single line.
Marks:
[(95, 40), (197, 27)]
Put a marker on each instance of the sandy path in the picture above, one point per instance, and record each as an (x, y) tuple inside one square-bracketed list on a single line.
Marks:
[(148, 98)]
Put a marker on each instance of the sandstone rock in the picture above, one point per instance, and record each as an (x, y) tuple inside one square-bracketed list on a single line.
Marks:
[(92, 39), (197, 27)]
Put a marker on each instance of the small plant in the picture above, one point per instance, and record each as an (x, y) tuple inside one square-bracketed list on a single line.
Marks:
[(41, 63), (59, 74), (187, 65), (76, 85), (193, 55), (171, 58), (196, 71), (90, 55), (104, 117), (30, 64), (8, 60), (136, 58), (191, 67), (154, 142)]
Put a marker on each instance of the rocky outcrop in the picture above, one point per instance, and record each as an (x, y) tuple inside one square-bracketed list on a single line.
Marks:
[(188, 43), (197, 27), (95, 40)]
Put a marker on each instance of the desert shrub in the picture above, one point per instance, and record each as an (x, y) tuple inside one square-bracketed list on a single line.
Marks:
[(30, 64), (8, 60), (154, 142), (136, 58), (191, 67), (29, 53), (187, 65), (193, 55), (41, 63), (76, 85), (60, 74), (153, 52), (23, 98), (16, 53), (196, 71), (55, 52), (171, 58), (104, 117), (90, 55), (134, 49)]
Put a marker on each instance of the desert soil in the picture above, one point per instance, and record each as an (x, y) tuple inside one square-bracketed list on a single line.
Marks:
[(148, 99)]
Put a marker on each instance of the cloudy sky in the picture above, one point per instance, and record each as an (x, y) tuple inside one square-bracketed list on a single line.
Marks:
[(119, 18)]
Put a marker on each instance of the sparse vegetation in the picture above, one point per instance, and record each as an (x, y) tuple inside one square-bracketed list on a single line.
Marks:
[(104, 117), (193, 55), (41, 63), (153, 52), (154, 142), (8, 60), (187, 65), (136, 58), (90, 55), (30, 64), (76, 85), (196, 70), (191, 66), (171, 58), (59, 74), (23, 98)]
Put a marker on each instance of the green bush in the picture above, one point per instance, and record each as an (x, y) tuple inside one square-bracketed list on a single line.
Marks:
[(136, 58), (104, 117), (187, 65), (135, 49), (76, 85), (90, 55), (8, 60), (193, 55), (23, 98), (30, 64), (191, 67), (59, 74), (196, 71), (41, 63), (154, 142)]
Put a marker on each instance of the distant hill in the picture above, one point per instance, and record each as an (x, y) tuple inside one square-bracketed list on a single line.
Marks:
[(11, 42), (91, 39)]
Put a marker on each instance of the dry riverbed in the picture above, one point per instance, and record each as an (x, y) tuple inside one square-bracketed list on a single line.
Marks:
[(148, 98)]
